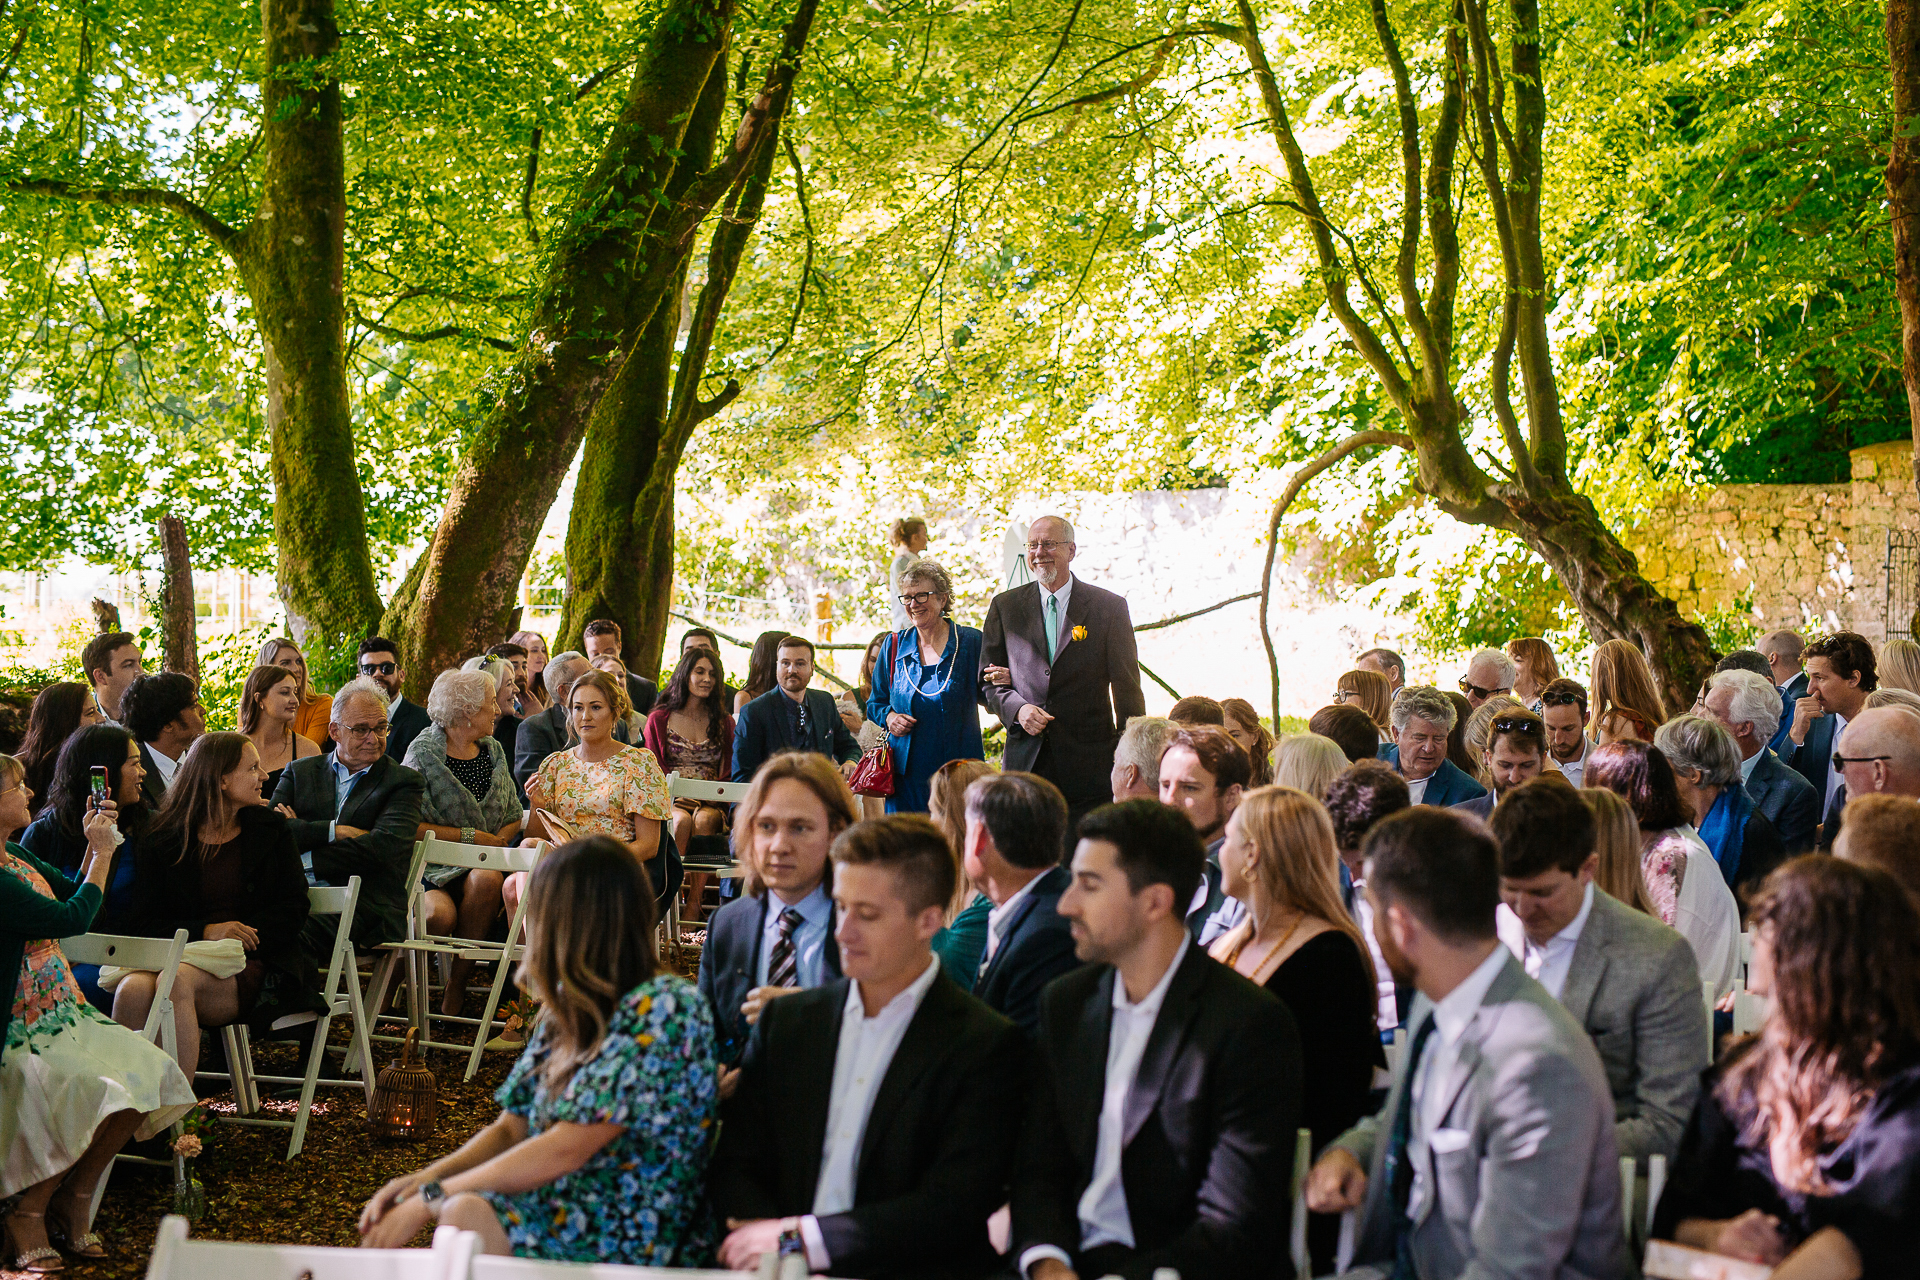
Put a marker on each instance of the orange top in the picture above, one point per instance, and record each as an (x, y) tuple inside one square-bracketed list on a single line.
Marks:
[(315, 712)]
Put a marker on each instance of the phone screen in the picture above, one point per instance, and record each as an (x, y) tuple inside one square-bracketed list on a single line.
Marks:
[(99, 783)]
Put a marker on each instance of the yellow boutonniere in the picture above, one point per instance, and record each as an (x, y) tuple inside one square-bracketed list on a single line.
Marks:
[(1079, 633)]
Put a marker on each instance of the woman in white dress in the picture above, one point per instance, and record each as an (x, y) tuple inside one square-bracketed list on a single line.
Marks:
[(74, 1086), (909, 538)]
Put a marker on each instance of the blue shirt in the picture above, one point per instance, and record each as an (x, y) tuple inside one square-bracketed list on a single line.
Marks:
[(342, 788), (809, 940)]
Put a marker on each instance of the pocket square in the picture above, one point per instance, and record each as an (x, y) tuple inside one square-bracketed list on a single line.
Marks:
[(1445, 1142)]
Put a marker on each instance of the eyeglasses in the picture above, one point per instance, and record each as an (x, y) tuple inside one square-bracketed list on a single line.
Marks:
[(378, 668), (1841, 762), (1473, 690), (912, 598), (367, 730), (1341, 695), (1048, 545)]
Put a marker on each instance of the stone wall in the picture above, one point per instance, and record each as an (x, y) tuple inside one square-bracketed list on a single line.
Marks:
[(1804, 554)]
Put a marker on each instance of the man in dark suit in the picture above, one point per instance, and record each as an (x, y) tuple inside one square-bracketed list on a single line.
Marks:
[(1784, 652), (1748, 705), (602, 637), (380, 662), (1167, 1093), (791, 717), (1422, 720), (1516, 752), (1840, 675), (355, 812), (1073, 673), (777, 938), (1016, 826), (874, 1122), (163, 713)]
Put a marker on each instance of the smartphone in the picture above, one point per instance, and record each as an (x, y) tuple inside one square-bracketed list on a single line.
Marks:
[(99, 772)]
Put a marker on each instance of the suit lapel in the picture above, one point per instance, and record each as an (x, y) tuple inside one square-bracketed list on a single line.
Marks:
[(1014, 922), (1169, 1032), (1589, 963), (1079, 609), (929, 1037), (357, 793), (809, 1080), (1467, 1052), (1089, 1047)]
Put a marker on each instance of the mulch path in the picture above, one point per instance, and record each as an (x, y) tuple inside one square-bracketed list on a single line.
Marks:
[(255, 1193)]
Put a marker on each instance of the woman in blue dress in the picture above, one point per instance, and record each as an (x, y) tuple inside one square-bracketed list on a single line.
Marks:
[(600, 1150), (926, 687)]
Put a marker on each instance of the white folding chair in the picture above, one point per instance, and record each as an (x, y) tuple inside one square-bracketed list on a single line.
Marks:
[(420, 947), (175, 1257), (497, 1267), (1629, 1187), (707, 792), (1749, 1010), (161, 957), (389, 954), (340, 997)]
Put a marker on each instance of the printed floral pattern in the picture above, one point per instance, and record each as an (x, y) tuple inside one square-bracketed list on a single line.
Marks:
[(46, 987), (1663, 863), (595, 799), (639, 1199)]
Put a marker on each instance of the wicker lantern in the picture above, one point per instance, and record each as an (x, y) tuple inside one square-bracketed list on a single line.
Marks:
[(406, 1098)]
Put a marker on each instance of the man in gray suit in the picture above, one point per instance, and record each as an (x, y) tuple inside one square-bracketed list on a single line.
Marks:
[(1628, 979), (1749, 706), (1494, 1154)]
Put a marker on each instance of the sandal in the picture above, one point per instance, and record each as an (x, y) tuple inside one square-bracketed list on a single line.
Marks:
[(88, 1244), (39, 1260)]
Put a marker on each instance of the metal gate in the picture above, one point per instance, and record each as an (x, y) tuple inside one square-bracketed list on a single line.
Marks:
[(1902, 582)]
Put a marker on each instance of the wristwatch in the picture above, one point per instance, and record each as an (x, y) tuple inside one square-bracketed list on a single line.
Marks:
[(433, 1195), (466, 835), (792, 1242)]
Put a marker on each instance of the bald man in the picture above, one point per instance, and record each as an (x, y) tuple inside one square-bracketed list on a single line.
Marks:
[(1783, 650), (1878, 754)]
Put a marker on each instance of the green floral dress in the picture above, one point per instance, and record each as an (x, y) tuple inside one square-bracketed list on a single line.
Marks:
[(640, 1199)]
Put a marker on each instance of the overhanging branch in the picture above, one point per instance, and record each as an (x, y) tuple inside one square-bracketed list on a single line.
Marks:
[(132, 198)]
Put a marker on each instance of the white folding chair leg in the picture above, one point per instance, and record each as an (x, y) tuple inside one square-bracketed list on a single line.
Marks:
[(484, 1032), (1656, 1183), (1629, 1172), (315, 1056), (1302, 1156), (1343, 1252), (360, 1051)]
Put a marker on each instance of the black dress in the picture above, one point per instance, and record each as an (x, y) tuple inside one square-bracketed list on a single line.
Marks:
[(1873, 1177), (255, 878), (1328, 986)]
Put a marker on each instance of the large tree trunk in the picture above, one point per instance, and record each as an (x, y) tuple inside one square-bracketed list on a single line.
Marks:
[(292, 262), (1903, 195), (602, 287)]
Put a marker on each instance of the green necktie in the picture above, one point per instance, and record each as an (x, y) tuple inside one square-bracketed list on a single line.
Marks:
[(1053, 626)]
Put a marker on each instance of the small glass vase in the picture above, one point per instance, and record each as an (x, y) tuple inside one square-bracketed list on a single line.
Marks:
[(190, 1198)]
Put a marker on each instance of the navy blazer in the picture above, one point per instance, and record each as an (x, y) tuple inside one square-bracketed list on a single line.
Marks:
[(1448, 786), (404, 725), (762, 729), (152, 790), (730, 964), (1812, 758), (1036, 946), (1790, 802), (1794, 690)]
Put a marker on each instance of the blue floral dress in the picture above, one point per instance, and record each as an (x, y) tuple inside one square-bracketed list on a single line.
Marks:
[(640, 1199)]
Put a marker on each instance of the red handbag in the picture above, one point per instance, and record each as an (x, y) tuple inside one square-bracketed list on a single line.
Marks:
[(873, 776)]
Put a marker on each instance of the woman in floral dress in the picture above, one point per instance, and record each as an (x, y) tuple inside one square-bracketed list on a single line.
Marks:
[(73, 1086), (616, 1091)]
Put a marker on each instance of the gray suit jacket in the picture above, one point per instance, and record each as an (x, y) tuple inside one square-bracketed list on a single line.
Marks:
[(1635, 986), (1526, 1182), (1789, 801)]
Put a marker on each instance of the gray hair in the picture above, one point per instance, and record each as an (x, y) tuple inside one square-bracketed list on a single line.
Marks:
[(1702, 746), (1755, 700), (562, 670), (1498, 661), (1425, 702), (1064, 524), (1888, 696), (936, 578), (1141, 744), (358, 687), (458, 694)]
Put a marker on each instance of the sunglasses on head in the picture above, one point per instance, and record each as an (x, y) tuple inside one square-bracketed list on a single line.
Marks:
[(1516, 724), (1559, 700)]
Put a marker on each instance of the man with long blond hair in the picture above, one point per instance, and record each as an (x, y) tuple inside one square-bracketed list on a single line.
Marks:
[(777, 936)]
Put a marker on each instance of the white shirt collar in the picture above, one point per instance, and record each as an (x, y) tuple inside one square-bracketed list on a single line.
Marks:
[(1751, 763), (907, 1002), (1002, 912), (1148, 1006), (394, 706), (1066, 590), (1551, 960), (163, 765), (1452, 1013)]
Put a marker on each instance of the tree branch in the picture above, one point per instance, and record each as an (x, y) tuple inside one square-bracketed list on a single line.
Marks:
[(1407, 262), (526, 186), (219, 232), (428, 335), (1352, 444)]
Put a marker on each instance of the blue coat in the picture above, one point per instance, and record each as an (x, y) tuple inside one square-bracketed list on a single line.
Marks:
[(1790, 802), (1448, 786), (946, 728), (1036, 946)]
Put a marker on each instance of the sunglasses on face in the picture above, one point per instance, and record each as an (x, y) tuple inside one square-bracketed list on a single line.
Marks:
[(1841, 762), (378, 668), (1473, 690)]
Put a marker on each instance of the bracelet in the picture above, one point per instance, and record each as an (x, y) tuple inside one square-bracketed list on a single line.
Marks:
[(466, 835)]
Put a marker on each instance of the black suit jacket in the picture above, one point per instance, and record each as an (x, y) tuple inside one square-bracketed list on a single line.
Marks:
[(937, 1155), (1091, 687), (1789, 801), (404, 724), (763, 728), (1210, 1122), (1036, 947), (643, 693), (385, 803), (152, 790), (728, 965)]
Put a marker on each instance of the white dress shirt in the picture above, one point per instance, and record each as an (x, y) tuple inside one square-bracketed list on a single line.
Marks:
[(1417, 791), (999, 916), (163, 766), (1576, 770), (1834, 777), (1104, 1218), (1748, 765), (860, 1063), (1450, 1018), (1388, 1015), (1549, 963), (1065, 591)]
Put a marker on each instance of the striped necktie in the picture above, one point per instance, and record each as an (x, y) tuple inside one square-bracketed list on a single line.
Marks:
[(783, 966)]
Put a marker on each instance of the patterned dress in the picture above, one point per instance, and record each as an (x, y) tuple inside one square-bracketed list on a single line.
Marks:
[(595, 799), (67, 1066), (640, 1198)]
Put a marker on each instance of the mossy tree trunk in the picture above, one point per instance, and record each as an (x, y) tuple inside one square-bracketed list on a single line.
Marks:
[(1903, 198)]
